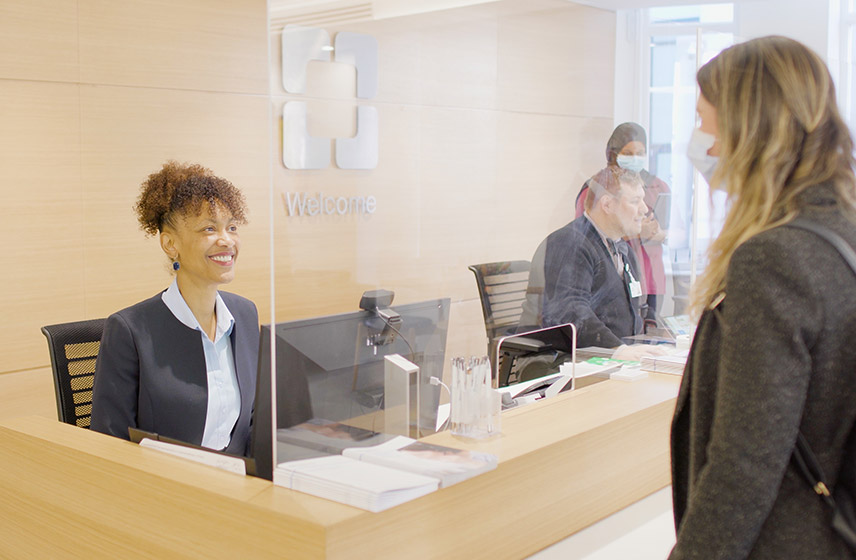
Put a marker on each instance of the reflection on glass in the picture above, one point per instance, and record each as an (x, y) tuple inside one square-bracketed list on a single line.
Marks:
[(330, 378), (299, 46), (360, 51), (299, 149), (470, 173), (361, 151)]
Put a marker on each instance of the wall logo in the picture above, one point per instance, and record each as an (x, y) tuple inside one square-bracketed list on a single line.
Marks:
[(300, 45)]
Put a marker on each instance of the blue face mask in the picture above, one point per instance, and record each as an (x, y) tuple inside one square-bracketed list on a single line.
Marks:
[(632, 163)]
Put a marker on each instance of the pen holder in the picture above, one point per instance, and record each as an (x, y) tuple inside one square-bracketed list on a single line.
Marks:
[(476, 406)]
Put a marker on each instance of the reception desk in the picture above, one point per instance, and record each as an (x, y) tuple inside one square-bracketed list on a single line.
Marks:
[(564, 463)]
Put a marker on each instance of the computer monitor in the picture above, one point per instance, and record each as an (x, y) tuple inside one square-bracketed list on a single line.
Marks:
[(332, 368)]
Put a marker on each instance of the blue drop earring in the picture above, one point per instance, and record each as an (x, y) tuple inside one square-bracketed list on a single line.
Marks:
[(175, 265)]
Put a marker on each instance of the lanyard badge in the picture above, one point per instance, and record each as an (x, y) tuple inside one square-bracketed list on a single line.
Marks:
[(632, 283)]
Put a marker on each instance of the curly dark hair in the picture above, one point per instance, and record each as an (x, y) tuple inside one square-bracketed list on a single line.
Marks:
[(180, 189)]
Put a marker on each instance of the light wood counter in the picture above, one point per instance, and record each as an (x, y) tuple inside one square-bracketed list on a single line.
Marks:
[(564, 464)]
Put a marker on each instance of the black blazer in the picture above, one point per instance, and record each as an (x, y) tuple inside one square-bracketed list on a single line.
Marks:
[(151, 374)]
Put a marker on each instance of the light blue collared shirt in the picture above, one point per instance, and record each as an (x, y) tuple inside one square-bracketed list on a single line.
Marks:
[(224, 397)]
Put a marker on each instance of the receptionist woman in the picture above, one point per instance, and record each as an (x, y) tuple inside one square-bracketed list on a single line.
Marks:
[(182, 363)]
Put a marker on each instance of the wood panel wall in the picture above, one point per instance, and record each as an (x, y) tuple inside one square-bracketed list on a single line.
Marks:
[(94, 96), (491, 117)]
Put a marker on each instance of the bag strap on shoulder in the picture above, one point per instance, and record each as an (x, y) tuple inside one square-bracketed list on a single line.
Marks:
[(833, 238), (803, 456), (841, 504)]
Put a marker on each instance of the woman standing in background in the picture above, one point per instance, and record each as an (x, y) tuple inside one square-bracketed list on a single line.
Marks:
[(627, 148)]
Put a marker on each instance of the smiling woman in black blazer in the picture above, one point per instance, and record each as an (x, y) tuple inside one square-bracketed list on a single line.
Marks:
[(182, 364)]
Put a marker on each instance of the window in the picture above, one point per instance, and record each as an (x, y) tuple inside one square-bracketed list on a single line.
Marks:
[(847, 82), (677, 40)]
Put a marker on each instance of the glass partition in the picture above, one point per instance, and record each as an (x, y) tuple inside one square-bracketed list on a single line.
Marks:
[(428, 153), (410, 146)]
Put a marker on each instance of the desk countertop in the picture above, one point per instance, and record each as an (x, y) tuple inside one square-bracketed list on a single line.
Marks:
[(565, 463)]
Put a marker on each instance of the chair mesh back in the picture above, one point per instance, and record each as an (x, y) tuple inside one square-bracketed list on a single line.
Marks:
[(502, 289), (73, 349)]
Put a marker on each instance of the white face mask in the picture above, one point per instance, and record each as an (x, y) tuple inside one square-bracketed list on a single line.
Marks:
[(700, 143), (632, 163)]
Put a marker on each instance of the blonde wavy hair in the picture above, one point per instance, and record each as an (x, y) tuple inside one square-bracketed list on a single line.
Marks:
[(780, 134)]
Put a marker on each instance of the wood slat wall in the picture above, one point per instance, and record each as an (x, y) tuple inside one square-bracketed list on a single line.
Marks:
[(491, 117), (94, 96)]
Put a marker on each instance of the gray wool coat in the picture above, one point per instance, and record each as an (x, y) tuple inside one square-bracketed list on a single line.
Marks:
[(777, 355)]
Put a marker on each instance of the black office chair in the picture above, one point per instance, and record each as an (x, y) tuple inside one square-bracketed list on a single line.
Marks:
[(73, 349), (502, 290)]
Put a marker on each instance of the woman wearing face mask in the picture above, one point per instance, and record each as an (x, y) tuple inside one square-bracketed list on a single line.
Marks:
[(773, 354), (627, 149), (182, 363)]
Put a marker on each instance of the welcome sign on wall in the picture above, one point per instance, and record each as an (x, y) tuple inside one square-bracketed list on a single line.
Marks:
[(300, 150)]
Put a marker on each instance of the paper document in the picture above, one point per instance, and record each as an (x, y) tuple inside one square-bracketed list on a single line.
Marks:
[(671, 363), (356, 483), (447, 464), (327, 436), (381, 476), (213, 459)]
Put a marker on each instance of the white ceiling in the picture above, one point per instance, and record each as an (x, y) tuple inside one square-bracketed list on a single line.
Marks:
[(633, 4), (321, 12)]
